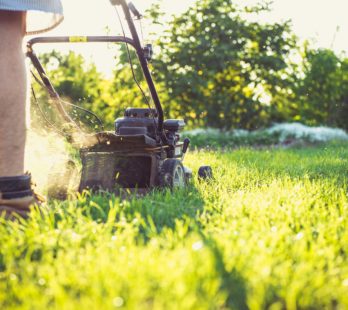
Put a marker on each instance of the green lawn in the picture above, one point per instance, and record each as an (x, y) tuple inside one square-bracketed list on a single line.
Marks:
[(270, 232)]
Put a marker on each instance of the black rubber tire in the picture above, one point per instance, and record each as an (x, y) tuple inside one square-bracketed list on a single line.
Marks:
[(205, 173), (172, 174)]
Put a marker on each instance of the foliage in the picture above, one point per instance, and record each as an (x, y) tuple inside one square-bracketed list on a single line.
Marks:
[(323, 93), (269, 231), (221, 70)]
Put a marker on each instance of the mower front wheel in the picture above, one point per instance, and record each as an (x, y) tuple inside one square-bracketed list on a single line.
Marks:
[(172, 174), (205, 173)]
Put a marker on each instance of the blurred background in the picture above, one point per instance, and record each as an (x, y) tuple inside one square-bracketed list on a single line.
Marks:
[(218, 63)]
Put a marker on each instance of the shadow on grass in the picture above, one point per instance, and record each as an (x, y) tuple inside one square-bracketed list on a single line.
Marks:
[(232, 282), (162, 209)]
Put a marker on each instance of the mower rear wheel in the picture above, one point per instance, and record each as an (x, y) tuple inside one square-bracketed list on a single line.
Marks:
[(172, 174)]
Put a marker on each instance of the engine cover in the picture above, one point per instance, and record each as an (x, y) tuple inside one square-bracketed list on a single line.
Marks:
[(137, 121)]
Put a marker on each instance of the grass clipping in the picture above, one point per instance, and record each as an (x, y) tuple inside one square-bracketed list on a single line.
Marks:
[(49, 160)]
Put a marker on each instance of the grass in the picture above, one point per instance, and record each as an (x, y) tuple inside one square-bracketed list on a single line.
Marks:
[(269, 232)]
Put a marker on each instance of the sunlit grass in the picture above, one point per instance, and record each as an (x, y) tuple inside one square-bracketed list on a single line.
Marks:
[(270, 231)]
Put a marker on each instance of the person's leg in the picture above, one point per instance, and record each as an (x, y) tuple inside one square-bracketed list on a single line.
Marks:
[(15, 187), (12, 94)]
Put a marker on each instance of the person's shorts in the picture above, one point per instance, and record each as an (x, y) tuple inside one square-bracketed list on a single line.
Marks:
[(43, 15)]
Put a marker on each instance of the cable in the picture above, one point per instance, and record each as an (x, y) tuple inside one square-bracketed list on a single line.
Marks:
[(45, 118), (141, 31), (54, 95), (64, 102)]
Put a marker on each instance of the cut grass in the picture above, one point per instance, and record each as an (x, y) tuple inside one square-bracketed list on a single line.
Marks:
[(270, 231)]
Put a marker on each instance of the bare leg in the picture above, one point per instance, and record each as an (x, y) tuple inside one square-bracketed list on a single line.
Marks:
[(12, 94)]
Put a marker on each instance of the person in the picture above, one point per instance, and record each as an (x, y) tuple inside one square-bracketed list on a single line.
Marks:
[(18, 18)]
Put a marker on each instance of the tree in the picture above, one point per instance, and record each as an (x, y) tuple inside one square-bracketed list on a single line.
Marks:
[(221, 70), (323, 93)]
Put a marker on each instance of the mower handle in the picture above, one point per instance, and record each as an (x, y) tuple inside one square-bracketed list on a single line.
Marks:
[(134, 41)]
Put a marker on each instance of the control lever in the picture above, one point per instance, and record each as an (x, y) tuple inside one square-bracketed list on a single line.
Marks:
[(185, 147), (134, 10), (148, 52)]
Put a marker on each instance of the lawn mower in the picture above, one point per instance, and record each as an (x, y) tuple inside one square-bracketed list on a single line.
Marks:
[(144, 151)]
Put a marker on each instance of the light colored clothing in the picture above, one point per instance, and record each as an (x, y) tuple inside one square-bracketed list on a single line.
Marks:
[(42, 15)]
